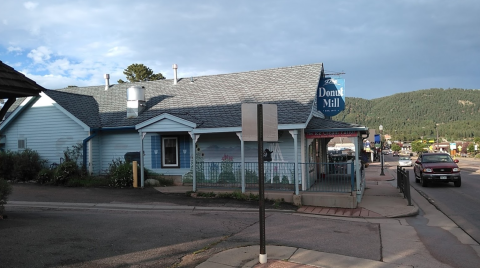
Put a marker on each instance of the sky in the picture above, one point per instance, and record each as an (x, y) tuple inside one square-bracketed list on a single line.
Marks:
[(380, 47)]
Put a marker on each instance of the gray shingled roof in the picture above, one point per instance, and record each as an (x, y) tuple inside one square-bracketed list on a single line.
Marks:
[(210, 101)]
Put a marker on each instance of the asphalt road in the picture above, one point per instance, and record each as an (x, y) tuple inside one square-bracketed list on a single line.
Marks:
[(460, 204), (83, 237)]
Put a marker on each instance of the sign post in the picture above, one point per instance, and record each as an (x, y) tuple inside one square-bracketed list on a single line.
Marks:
[(261, 184), (260, 123)]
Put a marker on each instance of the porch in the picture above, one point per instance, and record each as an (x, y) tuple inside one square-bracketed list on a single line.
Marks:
[(315, 184)]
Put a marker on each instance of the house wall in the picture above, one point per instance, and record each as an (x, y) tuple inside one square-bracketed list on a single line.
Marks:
[(214, 146), (46, 129), (113, 145)]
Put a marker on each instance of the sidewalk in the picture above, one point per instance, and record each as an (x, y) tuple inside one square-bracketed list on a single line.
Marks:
[(381, 200)]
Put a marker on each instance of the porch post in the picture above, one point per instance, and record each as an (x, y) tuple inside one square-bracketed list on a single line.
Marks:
[(304, 153), (194, 159), (242, 156), (294, 134), (142, 173), (358, 173)]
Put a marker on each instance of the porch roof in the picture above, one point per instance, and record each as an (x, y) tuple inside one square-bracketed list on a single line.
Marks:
[(327, 125)]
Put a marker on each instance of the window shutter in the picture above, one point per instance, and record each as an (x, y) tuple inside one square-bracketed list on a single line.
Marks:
[(185, 152), (156, 151)]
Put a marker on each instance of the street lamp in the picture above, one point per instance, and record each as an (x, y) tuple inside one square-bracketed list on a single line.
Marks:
[(381, 149)]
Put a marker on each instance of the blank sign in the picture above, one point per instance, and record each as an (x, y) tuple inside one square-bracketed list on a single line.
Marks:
[(249, 122)]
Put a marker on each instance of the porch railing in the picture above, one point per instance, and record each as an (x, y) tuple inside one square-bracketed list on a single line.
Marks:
[(279, 176), (329, 177)]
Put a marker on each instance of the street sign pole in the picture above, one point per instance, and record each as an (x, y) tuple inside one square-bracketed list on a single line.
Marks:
[(261, 189)]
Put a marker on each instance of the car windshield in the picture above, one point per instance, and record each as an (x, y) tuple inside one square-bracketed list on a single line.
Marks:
[(404, 158), (436, 158)]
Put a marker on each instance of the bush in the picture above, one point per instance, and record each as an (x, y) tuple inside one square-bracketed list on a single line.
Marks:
[(20, 166), (120, 174), (5, 191), (6, 164), (45, 176), (66, 171)]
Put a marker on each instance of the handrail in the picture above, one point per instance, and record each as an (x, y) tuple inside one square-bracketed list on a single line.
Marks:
[(403, 183)]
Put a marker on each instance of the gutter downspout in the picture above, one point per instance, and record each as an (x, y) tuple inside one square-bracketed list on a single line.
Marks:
[(84, 146)]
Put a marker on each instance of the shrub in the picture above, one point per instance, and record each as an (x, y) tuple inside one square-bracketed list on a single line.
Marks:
[(120, 174), (5, 191), (20, 166), (6, 164), (45, 176), (73, 154), (65, 171)]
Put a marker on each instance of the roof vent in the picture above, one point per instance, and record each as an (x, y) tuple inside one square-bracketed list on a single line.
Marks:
[(175, 67), (107, 81), (135, 101)]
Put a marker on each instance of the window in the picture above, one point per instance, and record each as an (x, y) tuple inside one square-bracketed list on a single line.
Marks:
[(170, 152), (22, 144)]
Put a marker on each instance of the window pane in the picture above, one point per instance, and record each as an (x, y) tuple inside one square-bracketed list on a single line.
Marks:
[(170, 151)]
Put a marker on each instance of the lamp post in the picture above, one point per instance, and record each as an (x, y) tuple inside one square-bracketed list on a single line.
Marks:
[(381, 150)]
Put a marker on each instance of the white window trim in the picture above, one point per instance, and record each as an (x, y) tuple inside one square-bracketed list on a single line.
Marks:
[(164, 165)]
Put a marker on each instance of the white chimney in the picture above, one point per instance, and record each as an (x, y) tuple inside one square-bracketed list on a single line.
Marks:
[(175, 67), (107, 81)]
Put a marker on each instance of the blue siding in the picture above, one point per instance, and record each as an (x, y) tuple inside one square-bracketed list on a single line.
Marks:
[(156, 151), (46, 129), (115, 144), (184, 151)]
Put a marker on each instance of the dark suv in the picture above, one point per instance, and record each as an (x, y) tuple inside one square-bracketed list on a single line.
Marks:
[(437, 167)]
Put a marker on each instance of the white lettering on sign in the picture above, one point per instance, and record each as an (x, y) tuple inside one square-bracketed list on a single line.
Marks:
[(330, 93)]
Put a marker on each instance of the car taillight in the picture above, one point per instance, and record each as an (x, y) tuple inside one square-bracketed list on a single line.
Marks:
[(427, 170)]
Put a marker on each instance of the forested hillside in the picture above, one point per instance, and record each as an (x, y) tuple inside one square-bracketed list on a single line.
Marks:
[(455, 113)]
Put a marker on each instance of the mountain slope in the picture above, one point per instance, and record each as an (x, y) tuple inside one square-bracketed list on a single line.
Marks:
[(455, 113)]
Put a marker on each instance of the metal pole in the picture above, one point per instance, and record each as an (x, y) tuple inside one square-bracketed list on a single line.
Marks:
[(261, 180), (381, 155)]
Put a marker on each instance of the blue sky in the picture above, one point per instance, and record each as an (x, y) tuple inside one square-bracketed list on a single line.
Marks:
[(383, 47)]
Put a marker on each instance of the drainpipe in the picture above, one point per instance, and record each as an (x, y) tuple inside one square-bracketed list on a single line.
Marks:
[(84, 144)]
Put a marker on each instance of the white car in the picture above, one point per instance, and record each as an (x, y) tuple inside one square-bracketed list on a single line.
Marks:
[(405, 162)]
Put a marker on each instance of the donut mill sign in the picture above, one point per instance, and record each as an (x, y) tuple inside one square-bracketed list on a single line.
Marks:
[(331, 96)]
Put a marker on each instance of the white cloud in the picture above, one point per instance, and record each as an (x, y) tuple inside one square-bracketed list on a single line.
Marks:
[(40, 55), (18, 50), (30, 5), (118, 51)]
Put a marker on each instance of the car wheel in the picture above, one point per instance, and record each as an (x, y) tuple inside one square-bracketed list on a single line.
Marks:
[(458, 183), (416, 177), (423, 181)]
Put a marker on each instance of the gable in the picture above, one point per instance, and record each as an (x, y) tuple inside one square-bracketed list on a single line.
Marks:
[(165, 123)]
